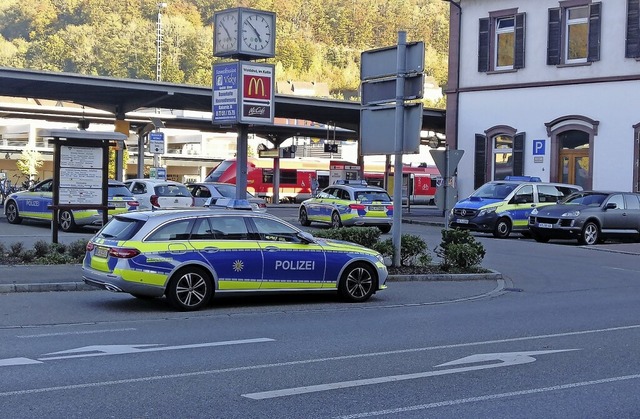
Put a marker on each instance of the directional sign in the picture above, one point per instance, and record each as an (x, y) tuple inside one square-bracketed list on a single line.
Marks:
[(383, 62), (378, 130), (384, 90), (156, 142)]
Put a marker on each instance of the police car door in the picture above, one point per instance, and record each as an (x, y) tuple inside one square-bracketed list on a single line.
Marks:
[(37, 200), (225, 244), (521, 206), (289, 262)]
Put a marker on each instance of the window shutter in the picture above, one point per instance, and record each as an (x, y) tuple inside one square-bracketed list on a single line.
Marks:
[(632, 47), (594, 32), (518, 154), (553, 41), (483, 46), (519, 58), (480, 163)]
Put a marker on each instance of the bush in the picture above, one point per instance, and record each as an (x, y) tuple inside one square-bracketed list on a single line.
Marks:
[(365, 236), (459, 250), (41, 248), (43, 253), (77, 249), (413, 250)]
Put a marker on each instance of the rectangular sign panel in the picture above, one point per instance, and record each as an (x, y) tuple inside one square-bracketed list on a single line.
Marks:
[(225, 93), (378, 130), (383, 62), (384, 90), (257, 97), (156, 142)]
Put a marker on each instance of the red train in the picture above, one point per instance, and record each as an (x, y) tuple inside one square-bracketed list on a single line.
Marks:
[(418, 183)]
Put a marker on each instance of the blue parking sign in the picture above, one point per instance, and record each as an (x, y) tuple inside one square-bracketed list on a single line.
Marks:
[(538, 147)]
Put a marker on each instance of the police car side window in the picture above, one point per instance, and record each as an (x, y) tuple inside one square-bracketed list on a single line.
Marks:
[(177, 230), (271, 230), (203, 231), (525, 194), (230, 228)]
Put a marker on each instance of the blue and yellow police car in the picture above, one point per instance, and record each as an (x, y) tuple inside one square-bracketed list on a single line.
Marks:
[(190, 255), (502, 206), (349, 203), (34, 204)]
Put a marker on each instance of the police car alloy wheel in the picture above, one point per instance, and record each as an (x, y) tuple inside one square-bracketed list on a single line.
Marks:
[(12, 213), (189, 289), (336, 222), (304, 219), (357, 283), (66, 220)]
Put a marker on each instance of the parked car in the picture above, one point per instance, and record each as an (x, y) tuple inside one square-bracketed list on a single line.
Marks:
[(157, 193), (589, 217), (34, 204), (207, 194), (188, 255), (503, 206), (349, 203)]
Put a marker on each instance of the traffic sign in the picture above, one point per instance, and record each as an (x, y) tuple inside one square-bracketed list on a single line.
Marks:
[(384, 90), (156, 142), (447, 161), (378, 130), (383, 62)]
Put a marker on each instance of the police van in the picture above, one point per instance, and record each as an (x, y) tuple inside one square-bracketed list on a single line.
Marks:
[(503, 206)]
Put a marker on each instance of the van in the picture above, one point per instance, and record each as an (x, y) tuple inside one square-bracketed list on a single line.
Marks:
[(500, 207)]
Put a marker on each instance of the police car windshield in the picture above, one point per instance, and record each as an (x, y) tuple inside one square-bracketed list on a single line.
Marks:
[(371, 196), (494, 190), (120, 228)]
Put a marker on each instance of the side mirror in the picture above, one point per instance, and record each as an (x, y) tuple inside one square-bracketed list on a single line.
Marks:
[(306, 237), (611, 205)]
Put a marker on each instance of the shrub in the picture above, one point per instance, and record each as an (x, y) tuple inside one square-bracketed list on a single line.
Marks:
[(77, 249), (459, 250), (15, 250), (365, 236), (413, 250), (41, 248)]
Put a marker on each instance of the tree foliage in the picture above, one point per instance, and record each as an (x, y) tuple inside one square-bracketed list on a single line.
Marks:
[(316, 40)]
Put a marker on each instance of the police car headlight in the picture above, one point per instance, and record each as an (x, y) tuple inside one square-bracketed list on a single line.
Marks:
[(534, 211), (486, 211), (574, 213), (380, 258)]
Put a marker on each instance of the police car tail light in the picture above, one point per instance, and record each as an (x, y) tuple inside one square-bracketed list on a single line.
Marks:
[(390, 207), (154, 200), (357, 206), (123, 252)]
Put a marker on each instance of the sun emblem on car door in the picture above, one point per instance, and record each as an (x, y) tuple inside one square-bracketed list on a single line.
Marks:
[(238, 265)]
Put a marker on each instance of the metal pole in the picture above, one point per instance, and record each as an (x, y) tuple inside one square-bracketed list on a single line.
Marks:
[(159, 42), (242, 161), (397, 167)]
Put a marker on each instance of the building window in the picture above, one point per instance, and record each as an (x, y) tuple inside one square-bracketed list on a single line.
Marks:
[(499, 153), (574, 33), (501, 41), (632, 46), (502, 157)]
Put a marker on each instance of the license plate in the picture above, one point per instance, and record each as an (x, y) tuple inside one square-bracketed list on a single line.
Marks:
[(463, 221), (376, 208), (119, 204), (102, 252), (545, 225)]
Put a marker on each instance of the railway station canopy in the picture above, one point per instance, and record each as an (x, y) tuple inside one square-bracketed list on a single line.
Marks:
[(124, 98)]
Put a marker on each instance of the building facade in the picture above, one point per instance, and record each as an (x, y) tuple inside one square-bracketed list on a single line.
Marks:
[(545, 88)]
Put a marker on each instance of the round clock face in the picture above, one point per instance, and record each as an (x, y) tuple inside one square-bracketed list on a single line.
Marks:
[(226, 32), (257, 32)]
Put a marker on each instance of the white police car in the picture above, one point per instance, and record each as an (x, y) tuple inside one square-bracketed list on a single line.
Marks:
[(34, 203), (189, 255), (349, 203)]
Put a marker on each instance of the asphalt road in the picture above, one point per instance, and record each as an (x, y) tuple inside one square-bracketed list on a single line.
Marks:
[(559, 342)]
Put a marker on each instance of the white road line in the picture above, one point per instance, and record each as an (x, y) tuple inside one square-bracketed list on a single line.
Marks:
[(86, 332), (488, 397), (11, 362)]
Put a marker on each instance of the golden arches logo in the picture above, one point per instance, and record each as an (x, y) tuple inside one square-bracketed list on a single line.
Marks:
[(256, 84)]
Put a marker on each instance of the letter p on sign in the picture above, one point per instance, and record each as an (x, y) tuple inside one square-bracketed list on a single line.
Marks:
[(538, 147)]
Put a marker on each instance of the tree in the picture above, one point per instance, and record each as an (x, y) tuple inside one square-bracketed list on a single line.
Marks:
[(29, 162)]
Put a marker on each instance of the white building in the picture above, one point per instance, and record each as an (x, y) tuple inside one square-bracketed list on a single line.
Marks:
[(545, 88)]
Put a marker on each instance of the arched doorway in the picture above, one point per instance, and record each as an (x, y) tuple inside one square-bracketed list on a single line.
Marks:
[(573, 158)]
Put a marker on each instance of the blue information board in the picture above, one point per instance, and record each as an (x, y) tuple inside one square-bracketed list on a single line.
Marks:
[(225, 93)]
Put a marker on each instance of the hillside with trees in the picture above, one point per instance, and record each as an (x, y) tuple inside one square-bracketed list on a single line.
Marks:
[(316, 40)]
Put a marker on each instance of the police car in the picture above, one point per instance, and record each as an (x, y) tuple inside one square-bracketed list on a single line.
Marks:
[(349, 203), (502, 206), (190, 255), (34, 204)]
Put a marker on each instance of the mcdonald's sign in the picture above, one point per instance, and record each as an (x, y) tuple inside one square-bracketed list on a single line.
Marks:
[(257, 102), (257, 87)]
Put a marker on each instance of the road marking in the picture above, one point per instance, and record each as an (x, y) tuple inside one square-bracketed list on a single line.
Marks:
[(86, 332), (488, 397), (505, 360), (10, 362)]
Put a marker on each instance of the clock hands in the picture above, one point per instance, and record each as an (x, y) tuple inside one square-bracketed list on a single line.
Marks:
[(255, 31)]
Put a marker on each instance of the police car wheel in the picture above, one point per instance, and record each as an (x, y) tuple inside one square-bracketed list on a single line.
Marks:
[(590, 234), (189, 289), (12, 213), (358, 283), (304, 219), (502, 229), (336, 222), (66, 220)]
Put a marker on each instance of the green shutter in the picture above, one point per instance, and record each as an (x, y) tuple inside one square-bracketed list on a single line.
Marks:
[(483, 46), (632, 46), (480, 163), (594, 32), (518, 154), (520, 32), (554, 37)]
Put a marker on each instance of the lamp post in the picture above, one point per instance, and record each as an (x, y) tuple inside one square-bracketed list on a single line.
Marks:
[(159, 42)]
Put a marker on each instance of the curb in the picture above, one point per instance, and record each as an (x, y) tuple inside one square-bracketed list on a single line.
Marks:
[(492, 275), (46, 287), (424, 223)]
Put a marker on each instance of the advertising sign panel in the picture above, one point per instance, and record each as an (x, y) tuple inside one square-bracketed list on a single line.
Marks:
[(257, 97), (225, 93)]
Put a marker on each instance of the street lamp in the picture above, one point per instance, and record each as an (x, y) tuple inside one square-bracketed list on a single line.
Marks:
[(159, 42)]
